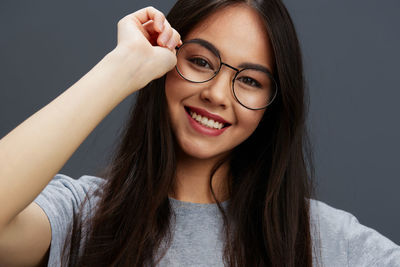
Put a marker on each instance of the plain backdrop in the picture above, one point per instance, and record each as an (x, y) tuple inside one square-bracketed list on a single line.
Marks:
[(351, 55)]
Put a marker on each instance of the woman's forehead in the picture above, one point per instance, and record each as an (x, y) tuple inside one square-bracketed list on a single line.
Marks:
[(239, 34)]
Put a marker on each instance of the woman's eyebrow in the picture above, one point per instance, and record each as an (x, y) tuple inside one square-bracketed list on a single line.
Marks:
[(207, 45), (259, 67), (245, 65)]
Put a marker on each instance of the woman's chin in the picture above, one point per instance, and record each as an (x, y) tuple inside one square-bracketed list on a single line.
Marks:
[(201, 152)]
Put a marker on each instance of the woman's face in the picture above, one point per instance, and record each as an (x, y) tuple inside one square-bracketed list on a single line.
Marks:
[(240, 36)]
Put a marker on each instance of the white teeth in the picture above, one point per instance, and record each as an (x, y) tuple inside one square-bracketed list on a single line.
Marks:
[(206, 121)]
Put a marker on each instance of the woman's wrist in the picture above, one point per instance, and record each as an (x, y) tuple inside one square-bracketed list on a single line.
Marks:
[(124, 68)]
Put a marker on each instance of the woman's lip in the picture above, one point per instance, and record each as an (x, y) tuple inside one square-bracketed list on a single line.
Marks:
[(204, 129), (207, 114)]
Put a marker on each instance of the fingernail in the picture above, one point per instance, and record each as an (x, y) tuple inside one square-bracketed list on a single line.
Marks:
[(164, 39), (171, 44)]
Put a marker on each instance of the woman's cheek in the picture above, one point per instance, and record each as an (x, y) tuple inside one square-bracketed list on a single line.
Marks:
[(250, 119)]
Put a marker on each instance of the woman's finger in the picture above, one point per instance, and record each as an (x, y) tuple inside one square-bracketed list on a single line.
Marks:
[(166, 34), (150, 13), (151, 33), (175, 40)]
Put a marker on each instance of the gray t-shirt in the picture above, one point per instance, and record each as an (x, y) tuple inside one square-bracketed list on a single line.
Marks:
[(338, 238)]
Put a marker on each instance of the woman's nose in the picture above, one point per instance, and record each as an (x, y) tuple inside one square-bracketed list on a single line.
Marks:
[(218, 91)]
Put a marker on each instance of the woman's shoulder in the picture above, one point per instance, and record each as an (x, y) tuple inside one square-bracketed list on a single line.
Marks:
[(84, 184), (343, 239), (335, 219), (65, 194), (65, 186)]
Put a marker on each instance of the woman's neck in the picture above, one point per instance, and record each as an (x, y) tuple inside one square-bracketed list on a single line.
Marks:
[(193, 178)]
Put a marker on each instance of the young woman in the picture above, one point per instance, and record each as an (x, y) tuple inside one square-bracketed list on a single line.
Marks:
[(212, 169)]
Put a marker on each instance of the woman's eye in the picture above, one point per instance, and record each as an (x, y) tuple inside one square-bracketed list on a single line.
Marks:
[(200, 62), (249, 81)]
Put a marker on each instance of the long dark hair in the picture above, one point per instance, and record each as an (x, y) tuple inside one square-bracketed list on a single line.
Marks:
[(267, 220)]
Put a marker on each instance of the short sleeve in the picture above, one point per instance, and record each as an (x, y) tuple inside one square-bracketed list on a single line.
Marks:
[(343, 241), (61, 200), (367, 247)]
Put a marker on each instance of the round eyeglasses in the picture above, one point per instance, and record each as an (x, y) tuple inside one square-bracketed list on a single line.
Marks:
[(253, 87)]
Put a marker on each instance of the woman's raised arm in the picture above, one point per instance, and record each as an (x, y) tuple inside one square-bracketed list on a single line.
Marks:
[(32, 153)]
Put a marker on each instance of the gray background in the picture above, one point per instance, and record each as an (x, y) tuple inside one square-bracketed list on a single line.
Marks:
[(352, 67)]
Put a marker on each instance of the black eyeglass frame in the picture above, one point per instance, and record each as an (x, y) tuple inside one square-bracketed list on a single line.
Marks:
[(229, 66)]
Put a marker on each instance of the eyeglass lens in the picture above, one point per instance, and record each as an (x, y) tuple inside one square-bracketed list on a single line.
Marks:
[(253, 88)]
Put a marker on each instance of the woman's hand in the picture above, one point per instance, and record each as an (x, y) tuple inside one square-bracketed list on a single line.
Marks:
[(147, 40)]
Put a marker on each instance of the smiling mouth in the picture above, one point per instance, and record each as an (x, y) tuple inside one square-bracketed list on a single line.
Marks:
[(207, 122)]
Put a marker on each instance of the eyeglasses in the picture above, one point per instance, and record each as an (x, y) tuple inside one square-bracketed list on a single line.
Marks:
[(253, 86)]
